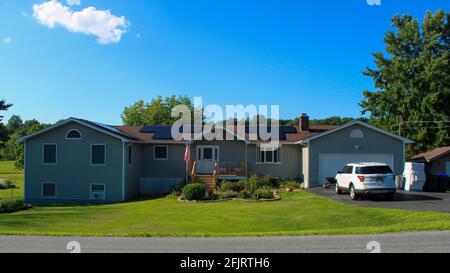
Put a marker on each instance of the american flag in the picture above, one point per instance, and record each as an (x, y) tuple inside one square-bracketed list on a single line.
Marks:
[(187, 154)]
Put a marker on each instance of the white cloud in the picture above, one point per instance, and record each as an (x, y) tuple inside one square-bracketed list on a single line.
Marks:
[(73, 2), (7, 40), (107, 27)]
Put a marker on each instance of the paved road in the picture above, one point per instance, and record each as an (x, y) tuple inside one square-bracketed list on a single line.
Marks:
[(417, 201), (403, 242)]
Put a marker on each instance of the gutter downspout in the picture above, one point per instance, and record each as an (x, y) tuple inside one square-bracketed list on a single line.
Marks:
[(123, 171)]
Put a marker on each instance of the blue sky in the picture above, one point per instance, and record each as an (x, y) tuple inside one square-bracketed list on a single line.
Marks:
[(306, 56)]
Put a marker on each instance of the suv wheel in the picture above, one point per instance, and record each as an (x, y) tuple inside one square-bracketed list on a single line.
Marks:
[(337, 189), (353, 194), (389, 197)]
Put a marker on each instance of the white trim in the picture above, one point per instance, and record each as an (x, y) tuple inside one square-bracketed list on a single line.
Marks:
[(209, 146), (90, 155), (49, 197), (167, 152), (24, 169), (97, 184), (71, 130), (59, 124), (124, 169), (357, 122), (280, 154), (56, 154)]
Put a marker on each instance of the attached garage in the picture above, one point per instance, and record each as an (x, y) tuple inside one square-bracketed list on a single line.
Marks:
[(330, 164), (329, 152)]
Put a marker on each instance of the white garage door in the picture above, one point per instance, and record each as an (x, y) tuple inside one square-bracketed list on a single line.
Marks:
[(330, 164)]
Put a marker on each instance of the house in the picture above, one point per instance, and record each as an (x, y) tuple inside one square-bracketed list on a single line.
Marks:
[(436, 161), (80, 161)]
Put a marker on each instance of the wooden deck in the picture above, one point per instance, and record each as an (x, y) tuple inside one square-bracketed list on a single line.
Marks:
[(231, 171)]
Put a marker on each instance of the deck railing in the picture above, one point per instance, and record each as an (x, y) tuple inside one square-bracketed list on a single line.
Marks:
[(231, 168)]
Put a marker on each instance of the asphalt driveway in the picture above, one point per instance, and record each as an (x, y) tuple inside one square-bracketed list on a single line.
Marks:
[(416, 201)]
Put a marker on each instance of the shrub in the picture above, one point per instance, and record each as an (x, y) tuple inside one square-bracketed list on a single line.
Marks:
[(262, 194), (194, 191), (211, 195), (11, 204), (264, 182), (6, 184), (227, 194), (245, 194), (232, 186), (291, 184)]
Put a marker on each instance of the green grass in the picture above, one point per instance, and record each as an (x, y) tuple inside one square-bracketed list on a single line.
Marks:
[(298, 213), (8, 171)]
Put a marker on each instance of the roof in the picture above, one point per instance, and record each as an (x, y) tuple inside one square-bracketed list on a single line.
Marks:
[(432, 155), (106, 129), (356, 122), (162, 133)]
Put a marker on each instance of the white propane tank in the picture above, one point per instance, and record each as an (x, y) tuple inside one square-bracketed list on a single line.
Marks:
[(414, 175)]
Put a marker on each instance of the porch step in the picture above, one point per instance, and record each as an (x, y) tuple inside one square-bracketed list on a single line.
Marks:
[(206, 179)]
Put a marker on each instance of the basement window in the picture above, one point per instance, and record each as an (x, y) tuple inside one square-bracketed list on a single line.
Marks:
[(49, 190)]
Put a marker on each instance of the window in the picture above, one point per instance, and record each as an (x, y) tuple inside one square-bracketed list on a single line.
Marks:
[(98, 154), (208, 153), (73, 134), (49, 154), (374, 170), (357, 134), (98, 192), (160, 153), (49, 190), (347, 170), (130, 155), (268, 155)]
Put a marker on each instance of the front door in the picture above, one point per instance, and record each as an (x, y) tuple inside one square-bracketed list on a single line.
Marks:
[(207, 156)]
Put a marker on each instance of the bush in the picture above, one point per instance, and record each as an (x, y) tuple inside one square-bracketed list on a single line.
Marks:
[(6, 184), (232, 186), (245, 194), (11, 204), (227, 194), (262, 194), (194, 191), (291, 184)]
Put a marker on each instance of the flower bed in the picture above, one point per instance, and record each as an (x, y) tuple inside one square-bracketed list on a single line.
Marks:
[(12, 205), (253, 189)]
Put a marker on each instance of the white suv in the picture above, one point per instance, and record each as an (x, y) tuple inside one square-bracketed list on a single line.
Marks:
[(366, 179)]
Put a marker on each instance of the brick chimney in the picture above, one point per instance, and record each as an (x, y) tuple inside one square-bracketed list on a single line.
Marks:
[(304, 123)]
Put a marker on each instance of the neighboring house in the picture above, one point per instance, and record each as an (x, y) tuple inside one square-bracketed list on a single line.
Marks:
[(436, 161), (80, 161)]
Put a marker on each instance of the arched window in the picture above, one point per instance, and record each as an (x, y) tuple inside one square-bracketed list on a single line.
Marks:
[(73, 134), (357, 134)]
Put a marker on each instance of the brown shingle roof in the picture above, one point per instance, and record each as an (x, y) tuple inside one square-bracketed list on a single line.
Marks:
[(431, 155), (135, 132)]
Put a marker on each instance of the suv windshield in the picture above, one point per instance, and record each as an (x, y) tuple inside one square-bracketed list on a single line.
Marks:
[(374, 170)]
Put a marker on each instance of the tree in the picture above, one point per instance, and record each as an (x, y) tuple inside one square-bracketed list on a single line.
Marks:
[(412, 81), (157, 112), (14, 123), (3, 107), (15, 150)]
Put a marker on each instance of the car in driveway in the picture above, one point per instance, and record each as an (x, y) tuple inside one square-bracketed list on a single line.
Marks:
[(364, 179)]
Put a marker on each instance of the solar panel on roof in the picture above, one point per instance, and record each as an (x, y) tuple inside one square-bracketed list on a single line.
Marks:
[(165, 131)]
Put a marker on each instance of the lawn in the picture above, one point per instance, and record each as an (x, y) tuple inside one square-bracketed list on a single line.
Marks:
[(8, 171), (298, 213)]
